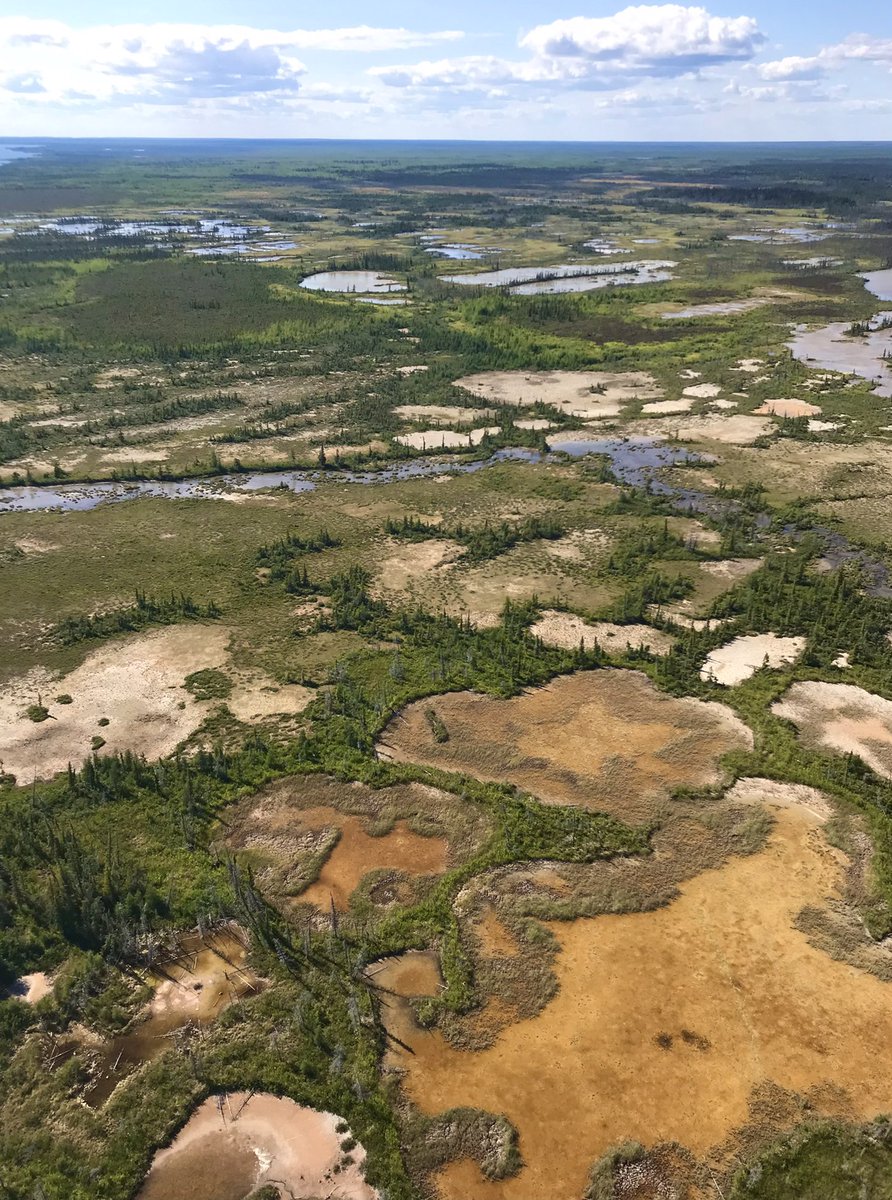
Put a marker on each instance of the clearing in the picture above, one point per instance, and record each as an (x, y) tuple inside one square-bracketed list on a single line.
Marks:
[(667, 1023), (842, 717), (605, 740), (236, 1143)]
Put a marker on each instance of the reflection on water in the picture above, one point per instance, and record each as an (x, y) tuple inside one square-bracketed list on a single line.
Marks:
[(832, 349)]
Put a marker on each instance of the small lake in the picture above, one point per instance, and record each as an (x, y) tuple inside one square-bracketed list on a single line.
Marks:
[(832, 350), (351, 281), (583, 277), (879, 282)]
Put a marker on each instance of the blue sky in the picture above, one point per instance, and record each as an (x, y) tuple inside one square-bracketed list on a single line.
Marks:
[(557, 69)]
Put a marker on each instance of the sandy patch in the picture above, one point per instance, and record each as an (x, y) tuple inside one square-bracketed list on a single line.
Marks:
[(589, 394), (409, 563), (731, 570), (411, 370), (604, 740), (568, 632), (724, 404), (665, 1022), (738, 660), (32, 988), (823, 426), (236, 1143), (445, 439), (722, 309), (703, 391), (33, 545), (788, 408), (750, 366), (533, 423), (667, 407), (434, 414), (741, 429), (135, 454), (842, 717), (135, 682), (781, 795), (256, 699)]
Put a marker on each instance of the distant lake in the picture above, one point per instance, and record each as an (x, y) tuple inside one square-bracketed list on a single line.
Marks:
[(11, 153)]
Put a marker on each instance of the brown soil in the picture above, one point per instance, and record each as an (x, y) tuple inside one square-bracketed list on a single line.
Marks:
[(667, 1023), (192, 986), (356, 853), (567, 631), (494, 939), (568, 391), (312, 838), (842, 717), (605, 740), (238, 1142), (405, 565), (788, 408)]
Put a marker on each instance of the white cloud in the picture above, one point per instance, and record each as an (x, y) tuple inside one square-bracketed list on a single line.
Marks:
[(174, 63), (861, 47), (603, 53), (649, 38), (792, 67)]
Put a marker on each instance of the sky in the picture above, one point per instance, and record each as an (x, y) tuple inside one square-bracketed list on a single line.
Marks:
[(564, 70)]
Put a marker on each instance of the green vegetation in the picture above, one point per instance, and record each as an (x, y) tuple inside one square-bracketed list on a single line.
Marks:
[(128, 360)]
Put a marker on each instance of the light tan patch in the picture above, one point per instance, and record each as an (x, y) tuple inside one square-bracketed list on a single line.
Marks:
[(598, 739), (788, 408), (664, 1023), (570, 392), (568, 632), (234, 1144), (842, 717), (135, 682), (738, 660)]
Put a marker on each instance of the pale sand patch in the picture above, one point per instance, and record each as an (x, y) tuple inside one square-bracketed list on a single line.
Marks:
[(721, 309), (731, 570), (436, 413), (751, 790), (823, 426), (741, 429), (681, 614), (567, 632), (750, 366), (533, 423), (444, 439), (738, 660), (257, 698), (689, 374), (135, 454), (703, 391), (236, 1143), (568, 391), (411, 370), (33, 545), (32, 988), (842, 717), (135, 682), (724, 404), (666, 407), (788, 408), (724, 962), (407, 563), (604, 740), (842, 661)]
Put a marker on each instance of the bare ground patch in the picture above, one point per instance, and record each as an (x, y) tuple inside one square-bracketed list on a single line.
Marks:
[(568, 632), (237, 1142), (587, 394), (668, 1025), (605, 740), (134, 683), (738, 660), (842, 717)]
